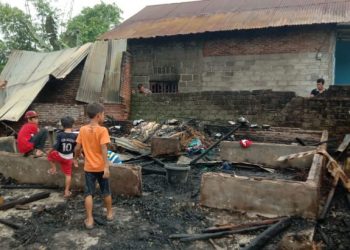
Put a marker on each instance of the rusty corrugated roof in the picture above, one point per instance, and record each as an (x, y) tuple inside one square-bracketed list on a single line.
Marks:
[(225, 15), (27, 72)]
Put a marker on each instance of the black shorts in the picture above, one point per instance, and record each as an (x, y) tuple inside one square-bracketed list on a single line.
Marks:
[(90, 183)]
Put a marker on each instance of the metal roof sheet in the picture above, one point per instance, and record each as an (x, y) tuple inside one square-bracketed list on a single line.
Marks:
[(224, 15), (27, 73), (101, 74)]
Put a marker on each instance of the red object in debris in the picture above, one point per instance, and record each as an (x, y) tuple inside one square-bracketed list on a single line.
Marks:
[(245, 143)]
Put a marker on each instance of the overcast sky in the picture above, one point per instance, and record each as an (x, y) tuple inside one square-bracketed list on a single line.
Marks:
[(129, 7)]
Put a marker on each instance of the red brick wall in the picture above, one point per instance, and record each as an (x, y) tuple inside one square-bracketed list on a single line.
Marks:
[(270, 41), (62, 91)]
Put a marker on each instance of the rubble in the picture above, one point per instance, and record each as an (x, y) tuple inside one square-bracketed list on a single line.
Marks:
[(161, 210)]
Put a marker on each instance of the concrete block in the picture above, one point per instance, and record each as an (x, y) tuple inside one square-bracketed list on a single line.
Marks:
[(165, 146), (186, 77), (124, 180)]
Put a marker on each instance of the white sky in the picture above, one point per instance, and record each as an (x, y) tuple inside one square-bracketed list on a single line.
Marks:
[(129, 7)]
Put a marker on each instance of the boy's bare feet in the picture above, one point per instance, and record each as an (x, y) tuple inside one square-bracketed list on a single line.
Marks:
[(52, 171), (89, 224), (67, 194), (39, 153), (110, 217)]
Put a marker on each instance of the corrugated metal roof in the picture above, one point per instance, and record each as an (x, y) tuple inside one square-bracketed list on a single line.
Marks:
[(224, 15), (101, 75), (91, 80), (111, 84), (27, 73)]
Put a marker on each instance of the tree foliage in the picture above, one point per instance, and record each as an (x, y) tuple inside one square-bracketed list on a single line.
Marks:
[(91, 23), (40, 31)]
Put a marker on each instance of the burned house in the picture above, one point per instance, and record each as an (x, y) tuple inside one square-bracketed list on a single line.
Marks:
[(61, 83)]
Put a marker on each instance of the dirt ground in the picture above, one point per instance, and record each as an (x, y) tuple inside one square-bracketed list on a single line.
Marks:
[(145, 222)]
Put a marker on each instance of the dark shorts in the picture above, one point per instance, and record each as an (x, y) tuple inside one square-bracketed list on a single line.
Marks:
[(90, 183)]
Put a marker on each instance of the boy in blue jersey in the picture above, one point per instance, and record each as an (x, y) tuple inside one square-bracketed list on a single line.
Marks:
[(62, 152)]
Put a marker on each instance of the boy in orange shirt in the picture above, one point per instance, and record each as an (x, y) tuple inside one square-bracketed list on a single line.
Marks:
[(93, 140)]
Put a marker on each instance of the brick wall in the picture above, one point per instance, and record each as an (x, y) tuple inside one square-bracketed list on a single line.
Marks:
[(51, 113), (57, 98), (275, 108), (280, 59), (331, 111), (62, 91), (270, 41), (261, 105)]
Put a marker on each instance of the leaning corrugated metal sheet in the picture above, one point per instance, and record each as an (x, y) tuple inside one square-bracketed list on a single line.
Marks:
[(225, 15), (102, 72), (27, 73)]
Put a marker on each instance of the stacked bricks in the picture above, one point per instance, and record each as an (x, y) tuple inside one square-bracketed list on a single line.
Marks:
[(284, 109), (282, 59)]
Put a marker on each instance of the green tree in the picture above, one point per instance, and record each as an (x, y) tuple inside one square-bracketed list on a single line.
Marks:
[(39, 32), (23, 32), (91, 23), (16, 28), (47, 22)]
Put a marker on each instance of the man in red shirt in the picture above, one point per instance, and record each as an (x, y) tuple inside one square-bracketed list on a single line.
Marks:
[(30, 138)]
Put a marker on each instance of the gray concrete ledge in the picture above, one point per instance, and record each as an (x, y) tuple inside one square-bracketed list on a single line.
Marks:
[(268, 197)]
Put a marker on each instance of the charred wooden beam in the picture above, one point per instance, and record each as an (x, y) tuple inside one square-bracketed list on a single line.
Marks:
[(9, 224), (262, 239), (240, 226), (215, 144), (147, 170), (205, 236), (22, 201)]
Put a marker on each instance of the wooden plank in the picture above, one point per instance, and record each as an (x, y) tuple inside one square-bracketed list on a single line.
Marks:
[(346, 141), (297, 155)]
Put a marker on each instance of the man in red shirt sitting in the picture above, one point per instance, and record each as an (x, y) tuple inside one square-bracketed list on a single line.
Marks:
[(30, 138)]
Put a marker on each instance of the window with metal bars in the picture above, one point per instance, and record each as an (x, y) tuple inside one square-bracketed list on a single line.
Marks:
[(164, 86)]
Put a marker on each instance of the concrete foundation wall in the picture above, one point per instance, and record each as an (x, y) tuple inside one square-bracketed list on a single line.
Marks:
[(124, 180), (265, 153), (288, 59), (262, 196), (277, 198)]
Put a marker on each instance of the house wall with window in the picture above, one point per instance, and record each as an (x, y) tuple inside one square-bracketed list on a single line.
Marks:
[(280, 59)]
